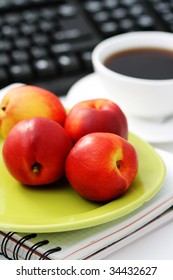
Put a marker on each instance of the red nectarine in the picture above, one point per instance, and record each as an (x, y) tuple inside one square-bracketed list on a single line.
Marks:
[(101, 166), (97, 115), (35, 151)]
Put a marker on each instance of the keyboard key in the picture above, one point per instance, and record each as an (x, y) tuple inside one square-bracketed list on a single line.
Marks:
[(119, 14), (168, 17), (60, 48), (5, 45), (68, 63), (30, 16), (4, 59), (162, 7), (93, 6), (40, 39), (126, 25), (145, 22), (111, 4), (66, 35), (22, 43), (3, 76), (21, 72), (86, 59), (109, 28), (12, 18), (28, 29), (128, 2), (38, 52), (136, 10), (9, 31), (19, 2), (46, 26), (4, 4), (44, 67), (67, 10), (19, 56), (101, 16), (47, 13)]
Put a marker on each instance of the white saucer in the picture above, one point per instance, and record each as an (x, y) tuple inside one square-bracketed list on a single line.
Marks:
[(89, 87)]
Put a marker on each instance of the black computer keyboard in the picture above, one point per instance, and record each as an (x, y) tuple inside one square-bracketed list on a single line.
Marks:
[(49, 42)]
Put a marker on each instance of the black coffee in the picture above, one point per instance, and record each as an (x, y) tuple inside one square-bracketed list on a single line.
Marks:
[(145, 63)]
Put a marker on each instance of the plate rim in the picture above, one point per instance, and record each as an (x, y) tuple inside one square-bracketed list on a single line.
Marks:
[(93, 219)]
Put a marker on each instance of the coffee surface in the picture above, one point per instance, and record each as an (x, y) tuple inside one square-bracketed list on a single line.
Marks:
[(145, 63)]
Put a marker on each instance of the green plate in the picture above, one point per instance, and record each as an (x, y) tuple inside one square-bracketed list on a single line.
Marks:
[(59, 208)]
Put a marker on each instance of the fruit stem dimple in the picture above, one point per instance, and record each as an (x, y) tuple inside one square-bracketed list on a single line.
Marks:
[(3, 108), (118, 164), (36, 168)]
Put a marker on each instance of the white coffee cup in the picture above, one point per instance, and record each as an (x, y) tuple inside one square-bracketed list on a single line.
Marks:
[(143, 98)]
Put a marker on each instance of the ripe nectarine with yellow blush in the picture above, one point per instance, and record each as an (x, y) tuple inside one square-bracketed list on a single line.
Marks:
[(24, 102)]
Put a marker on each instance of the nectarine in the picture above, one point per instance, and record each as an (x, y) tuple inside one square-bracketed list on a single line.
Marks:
[(101, 166), (35, 151), (24, 102), (97, 115)]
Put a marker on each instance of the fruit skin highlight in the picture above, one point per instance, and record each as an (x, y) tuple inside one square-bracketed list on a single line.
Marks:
[(97, 115), (101, 166), (35, 151), (24, 102)]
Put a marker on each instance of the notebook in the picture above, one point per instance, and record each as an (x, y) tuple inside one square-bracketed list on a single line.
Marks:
[(99, 241)]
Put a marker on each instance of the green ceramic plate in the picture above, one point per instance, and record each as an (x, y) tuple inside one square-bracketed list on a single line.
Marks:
[(59, 208)]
